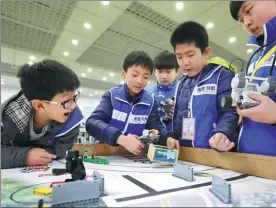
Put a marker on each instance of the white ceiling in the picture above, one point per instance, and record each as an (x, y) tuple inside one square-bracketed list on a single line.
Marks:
[(11, 82), (45, 29)]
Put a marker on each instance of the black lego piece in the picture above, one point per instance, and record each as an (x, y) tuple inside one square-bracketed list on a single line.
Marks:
[(74, 165)]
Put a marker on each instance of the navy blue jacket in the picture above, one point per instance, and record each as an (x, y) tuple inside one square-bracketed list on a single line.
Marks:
[(162, 92), (206, 108), (97, 125), (257, 137)]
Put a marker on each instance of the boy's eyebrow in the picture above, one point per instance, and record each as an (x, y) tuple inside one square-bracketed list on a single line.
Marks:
[(136, 71), (65, 94), (244, 6), (186, 52), (189, 51)]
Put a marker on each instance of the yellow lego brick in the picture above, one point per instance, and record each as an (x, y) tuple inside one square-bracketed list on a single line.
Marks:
[(43, 191)]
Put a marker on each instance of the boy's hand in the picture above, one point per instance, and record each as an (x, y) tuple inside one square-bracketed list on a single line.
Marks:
[(171, 112), (173, 143), (131, 143), (220, 142), (265, 112), (38, 156)]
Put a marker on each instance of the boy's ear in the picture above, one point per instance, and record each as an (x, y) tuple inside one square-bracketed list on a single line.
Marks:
[(37, 105), (123, 73), (207, 52)]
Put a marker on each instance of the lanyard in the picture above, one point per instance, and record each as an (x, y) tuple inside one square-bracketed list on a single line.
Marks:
[(261, 62)]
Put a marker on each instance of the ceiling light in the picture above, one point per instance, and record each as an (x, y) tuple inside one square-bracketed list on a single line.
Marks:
[(32, 58), (104, 78), (96, 92), (91, 94), (1, 79), (122, 82), (83, 74), (210, 25), (87, 25), (81, 90), (2, 83), (112, 74), (232, 39), (30, 63), (250, 50), (66, 53), (89, 70), (179, 6), (75, 42), (105, 3)]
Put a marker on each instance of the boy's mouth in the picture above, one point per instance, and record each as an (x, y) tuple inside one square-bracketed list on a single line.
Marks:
[(255, 30), (137, 88), (67, 114)]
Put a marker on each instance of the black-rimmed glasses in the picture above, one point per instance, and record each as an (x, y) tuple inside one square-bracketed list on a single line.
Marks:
[(67, 103)]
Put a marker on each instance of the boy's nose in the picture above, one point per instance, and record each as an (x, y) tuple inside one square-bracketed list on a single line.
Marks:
[(186, 62), (247, 22), (164, 76)]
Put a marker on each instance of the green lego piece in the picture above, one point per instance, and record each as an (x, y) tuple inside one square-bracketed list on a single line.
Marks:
[(96, 160), (203, 174)]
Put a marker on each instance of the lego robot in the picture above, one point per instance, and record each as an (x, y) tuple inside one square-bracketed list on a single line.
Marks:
[(81, 191), (242, 85), (151, 136), (165, 106)]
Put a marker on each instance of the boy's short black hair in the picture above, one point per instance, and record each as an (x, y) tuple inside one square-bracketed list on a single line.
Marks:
[(45, 79), (165, 60), (190, 32), (139, 58), (235, 7)]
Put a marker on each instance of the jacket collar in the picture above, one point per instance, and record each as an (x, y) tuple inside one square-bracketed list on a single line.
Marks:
[(166, 87), (131, 99)]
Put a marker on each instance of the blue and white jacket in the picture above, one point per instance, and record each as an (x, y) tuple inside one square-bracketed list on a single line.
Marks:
[(204, 93), (163, 92), (119, 113), (256, 137)]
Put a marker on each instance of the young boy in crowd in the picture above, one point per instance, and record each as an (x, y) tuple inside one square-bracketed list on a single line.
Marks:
[(258, 134), (166, 68), (40, 123), (198, 119), (126, 110)]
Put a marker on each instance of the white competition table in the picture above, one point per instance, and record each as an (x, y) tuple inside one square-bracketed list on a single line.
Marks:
[(137, 184)]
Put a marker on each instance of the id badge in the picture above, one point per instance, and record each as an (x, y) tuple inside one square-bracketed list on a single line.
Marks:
[(188, 129)]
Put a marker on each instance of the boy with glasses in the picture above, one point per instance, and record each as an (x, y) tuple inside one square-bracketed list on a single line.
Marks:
[(41, 122)]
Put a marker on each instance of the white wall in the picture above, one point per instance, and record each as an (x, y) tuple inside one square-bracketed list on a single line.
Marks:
[(7, 92), (86, 103)]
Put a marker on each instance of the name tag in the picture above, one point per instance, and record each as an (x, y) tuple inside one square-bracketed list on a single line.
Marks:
[(269, 61), (210, 89), (119, 115), (138, 119), (188, 129)]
